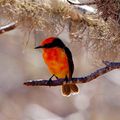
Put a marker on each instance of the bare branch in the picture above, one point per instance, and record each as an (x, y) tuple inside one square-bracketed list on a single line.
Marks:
[(109, 66), (7, 28), (88, 3)]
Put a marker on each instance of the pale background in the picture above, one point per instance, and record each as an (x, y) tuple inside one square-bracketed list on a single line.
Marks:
[(97, 100)]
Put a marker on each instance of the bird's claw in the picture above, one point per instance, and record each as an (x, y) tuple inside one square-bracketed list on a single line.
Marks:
[(49, 82)]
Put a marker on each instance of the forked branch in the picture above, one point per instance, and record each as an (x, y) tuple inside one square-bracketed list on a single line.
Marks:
[(109, 66)]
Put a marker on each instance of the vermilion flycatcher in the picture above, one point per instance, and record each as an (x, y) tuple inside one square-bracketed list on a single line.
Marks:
[(60, 63)]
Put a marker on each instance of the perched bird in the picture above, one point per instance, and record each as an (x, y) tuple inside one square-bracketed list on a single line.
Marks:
[(59, 61)]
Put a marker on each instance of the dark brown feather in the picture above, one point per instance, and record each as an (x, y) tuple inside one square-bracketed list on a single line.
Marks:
[(70, 62)]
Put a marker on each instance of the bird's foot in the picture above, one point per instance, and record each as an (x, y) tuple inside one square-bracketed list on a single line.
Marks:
[(56, 77), (49, 82)]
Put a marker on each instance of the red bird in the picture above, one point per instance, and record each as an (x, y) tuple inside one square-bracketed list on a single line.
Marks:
[(60, 63)]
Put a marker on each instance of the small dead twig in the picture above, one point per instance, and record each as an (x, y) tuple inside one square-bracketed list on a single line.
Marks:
[(87, 3), (7, 28), (109, 66)]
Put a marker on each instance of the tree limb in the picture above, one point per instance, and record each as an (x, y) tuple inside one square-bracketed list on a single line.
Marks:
[(7, 28), (109, 66), (88, 3)]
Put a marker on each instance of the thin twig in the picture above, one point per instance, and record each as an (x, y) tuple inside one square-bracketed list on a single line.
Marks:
[(109, 66), (88, 3), (7, 28)]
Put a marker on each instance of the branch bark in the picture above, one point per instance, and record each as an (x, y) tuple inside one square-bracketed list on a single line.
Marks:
[(7, 28), (109, 67)]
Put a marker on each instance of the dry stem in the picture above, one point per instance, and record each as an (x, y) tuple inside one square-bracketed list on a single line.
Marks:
[(7, 28), (87, 3)]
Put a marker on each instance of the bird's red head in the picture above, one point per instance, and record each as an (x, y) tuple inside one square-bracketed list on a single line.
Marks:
[(50, 43), (47, 41)]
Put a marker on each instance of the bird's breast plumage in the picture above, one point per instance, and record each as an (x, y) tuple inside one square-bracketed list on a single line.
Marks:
[(57, 61)]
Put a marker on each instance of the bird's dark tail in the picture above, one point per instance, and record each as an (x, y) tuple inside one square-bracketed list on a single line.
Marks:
[(74, 88), (67, 89)]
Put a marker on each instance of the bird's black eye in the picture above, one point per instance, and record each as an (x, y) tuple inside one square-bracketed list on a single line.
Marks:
[(48, 45)]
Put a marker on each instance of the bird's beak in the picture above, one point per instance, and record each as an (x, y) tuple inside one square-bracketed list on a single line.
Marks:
[(39, 47)]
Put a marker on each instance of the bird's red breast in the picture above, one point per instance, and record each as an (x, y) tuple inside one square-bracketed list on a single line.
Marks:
[(57, 61)]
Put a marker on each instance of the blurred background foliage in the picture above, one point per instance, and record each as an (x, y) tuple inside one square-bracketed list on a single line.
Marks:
[(91, 38)]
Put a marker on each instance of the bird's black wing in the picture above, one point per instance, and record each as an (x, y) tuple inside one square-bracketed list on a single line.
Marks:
[(70, 61), (58, 43)]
